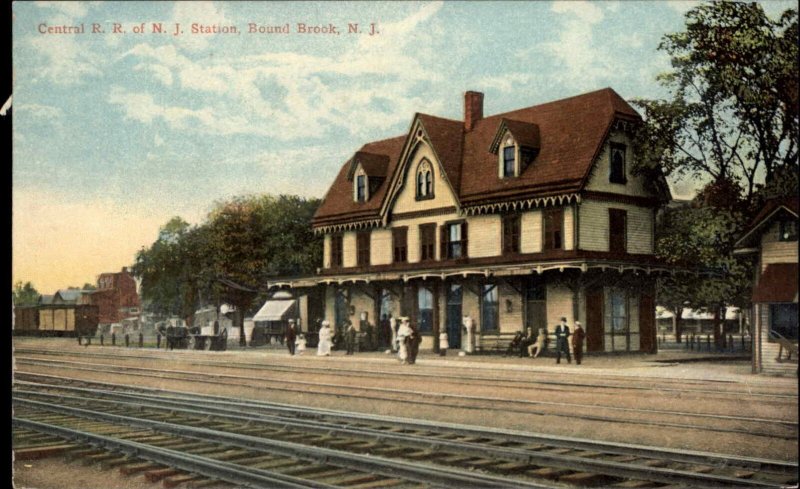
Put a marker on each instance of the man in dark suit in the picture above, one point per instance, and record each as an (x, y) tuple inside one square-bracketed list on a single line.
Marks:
[(291, 336), (562, 345), (577, 342)]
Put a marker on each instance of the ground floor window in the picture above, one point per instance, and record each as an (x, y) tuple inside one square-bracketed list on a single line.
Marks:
[(783, 320), (489, 307), (425, 310)]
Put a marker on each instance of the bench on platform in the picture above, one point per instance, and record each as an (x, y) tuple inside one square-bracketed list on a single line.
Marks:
[(495, 343)]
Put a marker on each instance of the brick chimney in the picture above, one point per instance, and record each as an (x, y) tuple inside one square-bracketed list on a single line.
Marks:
[(124, 269), (473, 109)]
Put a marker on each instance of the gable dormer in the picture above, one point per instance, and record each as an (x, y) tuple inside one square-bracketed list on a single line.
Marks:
[(516, 145), (367, 173)]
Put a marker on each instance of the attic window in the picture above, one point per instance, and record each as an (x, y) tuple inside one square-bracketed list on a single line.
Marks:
[(361, 188), (787, 230), (424, 180), (617, 164), (509, 161)]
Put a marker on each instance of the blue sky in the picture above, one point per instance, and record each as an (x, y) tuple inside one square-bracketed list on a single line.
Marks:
[(116, 133)]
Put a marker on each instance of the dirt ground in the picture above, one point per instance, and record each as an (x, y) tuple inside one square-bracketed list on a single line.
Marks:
[(701, 371)]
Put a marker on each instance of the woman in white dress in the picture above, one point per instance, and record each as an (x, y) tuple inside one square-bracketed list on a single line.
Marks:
[(403, 332), (324, 346)]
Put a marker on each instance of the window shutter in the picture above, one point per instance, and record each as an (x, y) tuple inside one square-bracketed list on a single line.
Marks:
[(443, 242), (464, 239)]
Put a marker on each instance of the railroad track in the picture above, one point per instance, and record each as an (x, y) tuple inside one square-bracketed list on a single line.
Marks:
[(542, 380), (757, 427), (318, 445)]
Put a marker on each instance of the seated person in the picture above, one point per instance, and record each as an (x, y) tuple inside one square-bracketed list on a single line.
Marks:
[(515, 343)]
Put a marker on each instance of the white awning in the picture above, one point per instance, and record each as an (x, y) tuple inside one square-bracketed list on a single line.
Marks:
[(273, 310)]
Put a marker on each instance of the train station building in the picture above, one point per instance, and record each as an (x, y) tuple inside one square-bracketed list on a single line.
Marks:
[(512, 220)]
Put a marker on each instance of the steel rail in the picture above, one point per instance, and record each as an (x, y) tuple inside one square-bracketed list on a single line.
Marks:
[(479, 378), (579, 464), (794, 424), (688, 456), (631, 471), (362, 463), (207, 467)]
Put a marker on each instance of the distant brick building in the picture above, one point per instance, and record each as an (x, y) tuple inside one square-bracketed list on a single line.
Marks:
[(116, 297)]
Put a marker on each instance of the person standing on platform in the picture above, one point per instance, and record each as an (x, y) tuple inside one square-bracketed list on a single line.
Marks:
[(469, 334), (393, 328), (291, 336), (403, 333), (324, 346), (562, 343), (443, 344), (413, 345), (577, 342), (350, 338), (301, 344), (384, 334)]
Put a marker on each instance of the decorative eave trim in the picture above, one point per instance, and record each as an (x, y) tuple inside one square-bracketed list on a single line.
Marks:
[(521, 204), (348, 226), (621, 123)]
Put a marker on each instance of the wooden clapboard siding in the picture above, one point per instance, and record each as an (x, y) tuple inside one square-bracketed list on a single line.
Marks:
[(349, 249), (326, 251), (599, 180), (594, 226), (485, 235), (559, 304), (510, 322), (380, 248), (531, 231), (406, 200), (773, 250), (568, 229)]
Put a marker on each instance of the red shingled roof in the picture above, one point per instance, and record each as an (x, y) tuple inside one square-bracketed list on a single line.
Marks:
[(571, 134), (339, 202), (778, 283), (792, 204)]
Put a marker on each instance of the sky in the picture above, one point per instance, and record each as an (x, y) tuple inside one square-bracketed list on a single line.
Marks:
[(114, 133)]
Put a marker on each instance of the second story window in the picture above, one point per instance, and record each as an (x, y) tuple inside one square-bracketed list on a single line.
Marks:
[(361, 188), (454, 240), (362, 249), (427, 242), (553, 229), (424, 180), (336, 251), (511, 233), (617, 226), (400, 244), (617, 172), (509, 161), (787, 230)]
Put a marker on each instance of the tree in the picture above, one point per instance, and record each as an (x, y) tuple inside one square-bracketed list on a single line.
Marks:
[(25, 294), (733, 111), (701, 236)]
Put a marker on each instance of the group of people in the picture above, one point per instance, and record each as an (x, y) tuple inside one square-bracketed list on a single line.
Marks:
[(405, 340), (533, 346)]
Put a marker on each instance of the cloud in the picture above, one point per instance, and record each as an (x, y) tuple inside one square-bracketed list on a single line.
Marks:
[(293, 95), (71, 9), (66, 61), (583, 63)]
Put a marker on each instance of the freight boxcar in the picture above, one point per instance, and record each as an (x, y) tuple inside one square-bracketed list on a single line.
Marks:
[(56, 320)]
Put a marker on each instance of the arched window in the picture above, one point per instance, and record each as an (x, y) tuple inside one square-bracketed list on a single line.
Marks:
[(424, 180)]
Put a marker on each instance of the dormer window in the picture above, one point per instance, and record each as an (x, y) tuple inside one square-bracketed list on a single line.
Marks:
[(509, 161), (424, 180), (617, 164), (361, 188)]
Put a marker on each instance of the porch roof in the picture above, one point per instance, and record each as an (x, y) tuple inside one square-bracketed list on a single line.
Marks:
[(778, 283)]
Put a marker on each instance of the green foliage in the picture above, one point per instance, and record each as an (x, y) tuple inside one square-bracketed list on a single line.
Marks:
[(243, 243), (733, 111), (25, 294)]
